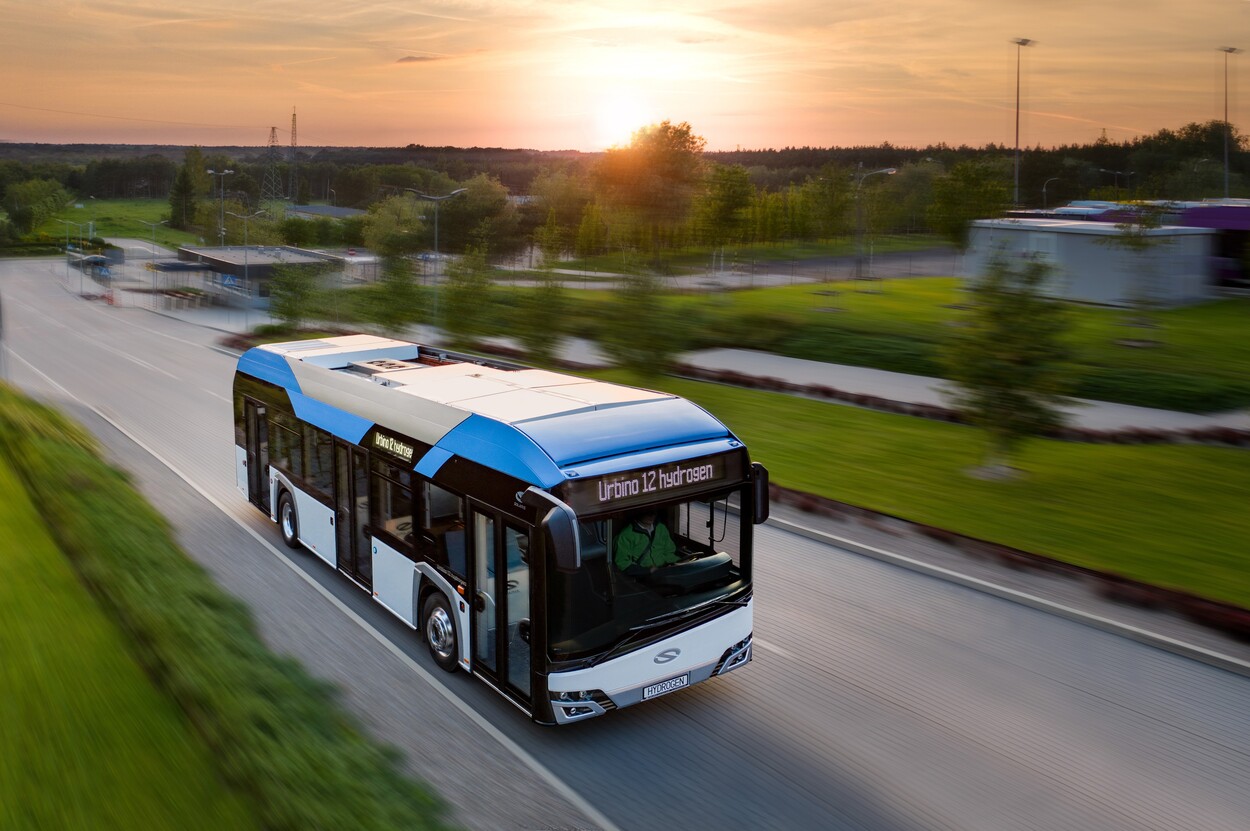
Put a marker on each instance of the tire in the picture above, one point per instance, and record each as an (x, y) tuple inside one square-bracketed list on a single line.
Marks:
[(439, 628), (288, 520)]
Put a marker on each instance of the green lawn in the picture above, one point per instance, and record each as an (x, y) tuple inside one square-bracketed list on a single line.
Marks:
[(85, 740), (115, 218), (1168, 515)]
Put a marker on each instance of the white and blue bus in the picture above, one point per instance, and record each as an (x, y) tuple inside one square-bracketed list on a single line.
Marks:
[(481, 502)]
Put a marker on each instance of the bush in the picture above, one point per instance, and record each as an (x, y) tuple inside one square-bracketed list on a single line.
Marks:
[(280, 738), (890, 352), (1162, 390)]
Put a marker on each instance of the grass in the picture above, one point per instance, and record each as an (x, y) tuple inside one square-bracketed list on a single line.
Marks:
[(697, 258), (115, 218), (1203, 363), (1169, 515), (280, 739), (88, 741)]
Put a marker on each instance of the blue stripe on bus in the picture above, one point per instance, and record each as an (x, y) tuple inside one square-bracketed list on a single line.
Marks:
[(502, 447), (337, 422), (576, 438), (268, 366), (432, 461), (659, 456)]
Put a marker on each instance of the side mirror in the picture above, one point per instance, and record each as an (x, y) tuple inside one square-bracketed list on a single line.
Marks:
[(759, 482), (523, 629), (560, 523)]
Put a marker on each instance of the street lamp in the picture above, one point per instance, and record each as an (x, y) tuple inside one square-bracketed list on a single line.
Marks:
[(222, 222), (1228, 128), (67, 224), (436, 200), (91, 227), (333, 196), (1020, 44), (859, 219), (1117, 174), (153, 226), (247, 285), (1044, 184)]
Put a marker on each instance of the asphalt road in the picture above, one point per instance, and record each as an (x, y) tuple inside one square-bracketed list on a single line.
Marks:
[(878, 699)]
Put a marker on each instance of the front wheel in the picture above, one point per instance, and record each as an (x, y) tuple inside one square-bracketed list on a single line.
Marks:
[(288, 520), (440, 631)]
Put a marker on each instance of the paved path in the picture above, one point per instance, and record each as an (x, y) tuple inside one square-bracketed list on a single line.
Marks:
[(894, 386)]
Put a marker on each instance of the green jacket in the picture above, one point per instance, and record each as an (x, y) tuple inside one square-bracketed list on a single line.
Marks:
[(635, 547)]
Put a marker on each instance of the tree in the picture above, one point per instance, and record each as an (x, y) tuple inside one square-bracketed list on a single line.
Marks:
[(724, 209), (395, 226), (642, 333), (291, 291), (467, 299), (1008, 360), (29, 204), (394, 302), (541, 320), (968, 191), (1138, 237), (182, 200), (654, 178)]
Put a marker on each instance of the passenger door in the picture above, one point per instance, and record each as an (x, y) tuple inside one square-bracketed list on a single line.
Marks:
[(256, 427), (351, 513), (501, 605)]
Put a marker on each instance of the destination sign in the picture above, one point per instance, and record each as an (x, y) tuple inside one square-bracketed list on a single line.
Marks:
[(650, 484), (393, 446)]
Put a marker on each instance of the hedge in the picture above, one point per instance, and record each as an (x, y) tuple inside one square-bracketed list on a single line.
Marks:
[(280, 737)]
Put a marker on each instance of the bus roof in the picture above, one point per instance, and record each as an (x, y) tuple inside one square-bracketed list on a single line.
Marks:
[(541, 427)]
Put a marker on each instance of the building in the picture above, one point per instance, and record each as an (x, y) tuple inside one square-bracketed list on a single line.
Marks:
[(238, 275), (1088, 266)]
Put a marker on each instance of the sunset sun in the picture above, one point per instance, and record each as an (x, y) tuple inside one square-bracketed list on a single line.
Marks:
[(618, 116)]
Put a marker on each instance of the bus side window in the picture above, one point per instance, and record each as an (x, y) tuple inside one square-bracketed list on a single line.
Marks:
[(442, 515)]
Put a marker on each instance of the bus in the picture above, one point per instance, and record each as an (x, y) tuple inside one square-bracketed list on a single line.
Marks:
[(484, 504)]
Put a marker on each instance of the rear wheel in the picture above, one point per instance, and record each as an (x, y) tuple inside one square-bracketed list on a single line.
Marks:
[(440, 631), (288, 520)]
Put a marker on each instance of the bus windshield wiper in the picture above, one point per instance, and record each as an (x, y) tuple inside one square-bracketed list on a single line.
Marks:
[(651, 623), (677, 614)]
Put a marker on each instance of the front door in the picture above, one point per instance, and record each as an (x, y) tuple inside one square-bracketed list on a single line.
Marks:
[(351, 513), (257, 429), (501, 607)]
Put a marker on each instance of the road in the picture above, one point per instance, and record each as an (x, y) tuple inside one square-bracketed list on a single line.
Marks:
[(878, 699)]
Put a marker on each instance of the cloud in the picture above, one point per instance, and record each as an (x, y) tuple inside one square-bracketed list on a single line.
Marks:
[(419, 59)]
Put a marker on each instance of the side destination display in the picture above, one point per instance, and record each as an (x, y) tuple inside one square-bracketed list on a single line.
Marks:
[(616, 491)]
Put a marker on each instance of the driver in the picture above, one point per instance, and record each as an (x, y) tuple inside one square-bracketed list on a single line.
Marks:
[(644, 544)]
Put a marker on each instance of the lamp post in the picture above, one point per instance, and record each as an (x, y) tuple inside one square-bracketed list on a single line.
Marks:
[(1228, 128), (1044, 184), (247, 286), (221, 174), (1117, 174), (67, 224), (1020, 44), (436, 200), (91, 227), (153, 226), (333, 196), (859, 219)]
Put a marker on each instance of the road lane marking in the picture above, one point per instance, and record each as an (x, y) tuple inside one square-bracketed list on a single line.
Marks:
[(1125, 630), (522, 755)]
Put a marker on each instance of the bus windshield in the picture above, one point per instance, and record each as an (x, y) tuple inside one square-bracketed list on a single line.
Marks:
[(644, 567)]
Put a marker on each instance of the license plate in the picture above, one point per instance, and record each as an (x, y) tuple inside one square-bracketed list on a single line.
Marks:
[(666, 686)]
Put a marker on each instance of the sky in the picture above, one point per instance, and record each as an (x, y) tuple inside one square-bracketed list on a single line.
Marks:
[(564, 74)]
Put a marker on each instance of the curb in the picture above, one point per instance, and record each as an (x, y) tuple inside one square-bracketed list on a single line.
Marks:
[(1134, 633)]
